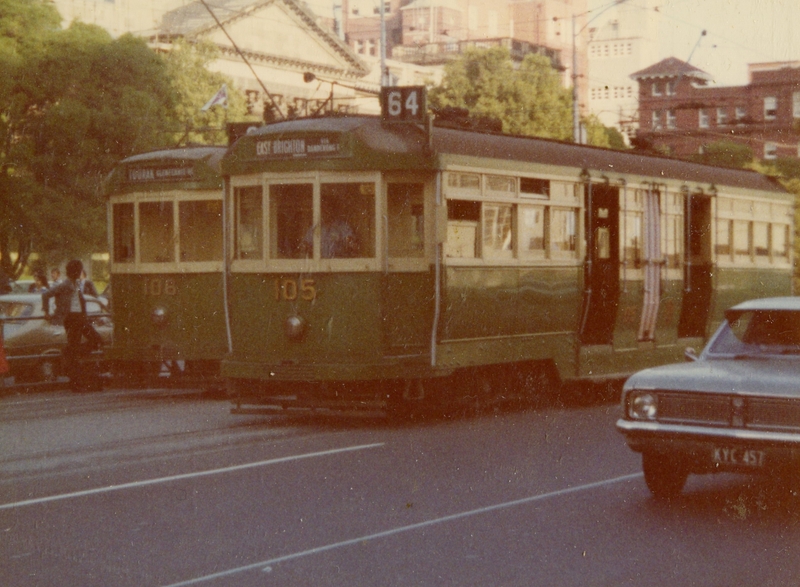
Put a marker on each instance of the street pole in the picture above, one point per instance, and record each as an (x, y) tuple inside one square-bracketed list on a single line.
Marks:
[(576, 121), (384, 72)]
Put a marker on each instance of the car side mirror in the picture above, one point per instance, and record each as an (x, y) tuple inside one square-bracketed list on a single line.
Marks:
[(690, 354)]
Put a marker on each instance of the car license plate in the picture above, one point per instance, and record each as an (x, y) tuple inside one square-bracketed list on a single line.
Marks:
[(738, 456)]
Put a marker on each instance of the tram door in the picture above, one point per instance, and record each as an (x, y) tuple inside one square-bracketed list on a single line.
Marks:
[(601, 271), (697, 285)]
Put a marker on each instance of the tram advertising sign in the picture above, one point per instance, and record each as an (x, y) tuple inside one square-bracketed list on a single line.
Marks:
[(404, 104)]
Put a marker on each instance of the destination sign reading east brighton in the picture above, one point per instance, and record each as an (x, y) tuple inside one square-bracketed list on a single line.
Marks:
[(305, 147)]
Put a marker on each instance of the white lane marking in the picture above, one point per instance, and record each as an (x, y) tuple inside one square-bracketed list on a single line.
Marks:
[(268, 564), (135, 484)]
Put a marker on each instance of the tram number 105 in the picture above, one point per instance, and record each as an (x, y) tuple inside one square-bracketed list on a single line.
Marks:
[(404, 104), (292, 289)]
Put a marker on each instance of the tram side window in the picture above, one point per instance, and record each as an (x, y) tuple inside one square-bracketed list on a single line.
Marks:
[(156, 232), (249, 222), (497, 231), (406, 219), (632, 245), (124, 235), (563, 232), (291, 213), (742, 237), (723, 244), (347, 215), (532, 231), (761, 239), (463, 218), (200, 223), (780, 241)]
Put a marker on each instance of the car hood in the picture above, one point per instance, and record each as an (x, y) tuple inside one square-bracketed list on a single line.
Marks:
[(767, 377)]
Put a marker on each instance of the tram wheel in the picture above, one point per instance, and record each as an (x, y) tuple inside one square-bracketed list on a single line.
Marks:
[(405, 400)]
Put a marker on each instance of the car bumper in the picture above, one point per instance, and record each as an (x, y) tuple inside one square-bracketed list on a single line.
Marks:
[(708, 449)]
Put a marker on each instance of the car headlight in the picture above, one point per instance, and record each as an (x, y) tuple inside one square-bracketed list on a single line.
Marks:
[(643, 405)]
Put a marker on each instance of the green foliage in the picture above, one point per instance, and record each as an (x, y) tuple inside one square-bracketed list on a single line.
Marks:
[(528, 99), (72, 104), (726, 154), (195, 85), (599, 135), (79, 102)]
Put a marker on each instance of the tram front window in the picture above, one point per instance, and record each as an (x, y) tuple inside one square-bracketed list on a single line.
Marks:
[(249, 222), (200, 224), (156, 232), (124, 241), (291, 221), (347, 220)]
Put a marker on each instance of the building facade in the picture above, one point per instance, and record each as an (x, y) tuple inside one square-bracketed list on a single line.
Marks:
[(623, 40), (681, 115)]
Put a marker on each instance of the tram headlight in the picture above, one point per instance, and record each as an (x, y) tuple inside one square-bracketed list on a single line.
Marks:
[(295, 328), (159, 317), (643, 405)]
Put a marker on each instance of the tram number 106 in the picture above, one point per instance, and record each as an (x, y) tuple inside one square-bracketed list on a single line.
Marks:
[(158, 286), (292, 289)]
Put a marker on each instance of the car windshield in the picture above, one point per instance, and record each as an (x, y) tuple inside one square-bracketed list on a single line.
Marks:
[(14, 310), (759, 333)]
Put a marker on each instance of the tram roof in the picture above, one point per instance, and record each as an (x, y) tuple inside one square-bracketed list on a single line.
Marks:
[(397, 146), (195, 168)]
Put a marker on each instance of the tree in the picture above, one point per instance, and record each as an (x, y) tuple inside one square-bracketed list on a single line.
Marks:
[(187, 66), (725, 154), (599, 135), (79, 102), (527, 100)]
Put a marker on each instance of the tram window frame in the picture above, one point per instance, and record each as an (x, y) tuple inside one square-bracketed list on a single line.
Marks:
[(207, 231), (162, 242), (255, 249), (497, 237), (762, 238), (406, 220), (173, 198), (573, 250), (303, 249), (127, 222), (463, 229), (534, 187), (539, 236)]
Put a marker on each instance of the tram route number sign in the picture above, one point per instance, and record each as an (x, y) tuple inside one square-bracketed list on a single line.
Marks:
[(404, 104)]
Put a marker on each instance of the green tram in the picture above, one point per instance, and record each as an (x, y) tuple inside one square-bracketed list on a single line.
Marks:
[(165, 218), (374, 261)]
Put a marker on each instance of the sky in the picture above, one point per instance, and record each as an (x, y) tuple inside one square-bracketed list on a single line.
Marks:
[(738, 32)]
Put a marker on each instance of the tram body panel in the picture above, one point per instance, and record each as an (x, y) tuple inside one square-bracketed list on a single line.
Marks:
[(600, 262), (193, 324), (165, 211)]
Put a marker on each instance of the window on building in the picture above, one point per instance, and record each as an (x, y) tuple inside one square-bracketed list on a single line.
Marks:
[(656, 125), (770, 108), (656, 89), (703, 118), (770, 151), (741, 114), (796, 105), (722, 117), (670, 88), (672, 120)]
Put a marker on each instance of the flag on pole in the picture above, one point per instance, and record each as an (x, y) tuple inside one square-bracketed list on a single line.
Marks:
[(219, 99)]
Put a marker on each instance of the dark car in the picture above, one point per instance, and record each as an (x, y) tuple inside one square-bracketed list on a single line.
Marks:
[(736, 407), (32, 344)]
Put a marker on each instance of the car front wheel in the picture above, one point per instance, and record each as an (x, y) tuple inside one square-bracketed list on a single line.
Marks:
[(665, 476)]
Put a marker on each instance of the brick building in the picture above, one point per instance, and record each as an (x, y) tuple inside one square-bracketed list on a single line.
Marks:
[(679, 113)]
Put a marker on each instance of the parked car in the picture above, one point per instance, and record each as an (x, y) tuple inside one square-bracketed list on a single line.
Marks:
[(32, 344), (735, 407)]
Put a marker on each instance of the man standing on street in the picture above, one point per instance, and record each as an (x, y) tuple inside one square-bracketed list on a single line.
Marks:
[(71, 312)]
